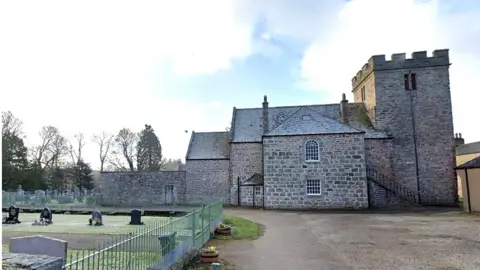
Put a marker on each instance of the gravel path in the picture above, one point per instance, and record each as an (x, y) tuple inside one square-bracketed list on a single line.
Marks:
[(294, 240)]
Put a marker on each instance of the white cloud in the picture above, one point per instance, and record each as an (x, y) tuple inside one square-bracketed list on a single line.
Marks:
[(369, 27), (92, 66)]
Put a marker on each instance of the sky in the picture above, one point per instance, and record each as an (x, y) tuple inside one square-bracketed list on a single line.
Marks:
[(99, 66)]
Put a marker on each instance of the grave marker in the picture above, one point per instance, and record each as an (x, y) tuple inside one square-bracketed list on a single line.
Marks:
[(40, 245), (136, 217), (13, 215)]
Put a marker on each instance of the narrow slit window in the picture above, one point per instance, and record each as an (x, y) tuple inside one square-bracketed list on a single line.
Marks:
[(406, 82), (413, 79)]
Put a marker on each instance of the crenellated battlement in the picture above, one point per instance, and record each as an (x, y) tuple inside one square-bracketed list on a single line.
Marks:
[(400, 61)]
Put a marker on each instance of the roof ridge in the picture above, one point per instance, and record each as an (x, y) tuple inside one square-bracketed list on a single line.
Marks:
[(290, 116), (335, 120)]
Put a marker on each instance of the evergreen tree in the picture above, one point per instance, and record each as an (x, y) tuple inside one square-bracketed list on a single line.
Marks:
[(149, 151)]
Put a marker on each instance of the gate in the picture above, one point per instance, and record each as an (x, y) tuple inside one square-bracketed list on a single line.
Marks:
[(169, 196), (257, 190)]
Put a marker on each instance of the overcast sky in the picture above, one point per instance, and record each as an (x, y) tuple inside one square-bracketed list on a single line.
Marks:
[(93, 66)]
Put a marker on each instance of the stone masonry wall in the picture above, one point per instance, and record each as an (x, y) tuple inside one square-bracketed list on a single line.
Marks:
[(207, 180), (245, 160), (434, 130), (378, 155), (370, 102), (341, 170), (140, 189)]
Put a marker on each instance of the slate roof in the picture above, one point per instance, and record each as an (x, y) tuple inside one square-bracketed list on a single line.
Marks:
[(306, 121), (474, 163), (255, 180), (247, 123), (209, 145), (469, 148)]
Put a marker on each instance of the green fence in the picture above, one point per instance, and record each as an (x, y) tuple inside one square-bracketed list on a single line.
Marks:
[(152, 247)]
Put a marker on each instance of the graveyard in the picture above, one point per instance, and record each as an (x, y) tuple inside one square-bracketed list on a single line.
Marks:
[(77, 224)]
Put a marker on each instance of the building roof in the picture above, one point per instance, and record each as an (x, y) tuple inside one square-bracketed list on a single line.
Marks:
[(247, 123), (306, 121), (469, 148), (474, 163), (208, 145), (255, 180)]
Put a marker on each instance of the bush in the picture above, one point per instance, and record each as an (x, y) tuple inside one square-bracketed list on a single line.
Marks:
[(65, 199)]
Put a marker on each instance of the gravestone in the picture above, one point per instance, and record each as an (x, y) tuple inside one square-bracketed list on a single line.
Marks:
[(136, 217), (40, 245), (39, 193), (13, 215), (96, 219), (76, 191), (46, 216)]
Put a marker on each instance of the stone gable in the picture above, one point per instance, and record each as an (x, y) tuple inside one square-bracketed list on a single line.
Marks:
[(341, 170)]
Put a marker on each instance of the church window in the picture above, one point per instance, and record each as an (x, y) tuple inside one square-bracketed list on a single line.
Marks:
[(410, 81), (363, 93), (314, 187), (311, 151)]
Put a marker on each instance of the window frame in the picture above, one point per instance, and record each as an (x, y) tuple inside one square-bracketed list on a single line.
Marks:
[(314, 184), (307, 151), (362, 92), (259, 189)]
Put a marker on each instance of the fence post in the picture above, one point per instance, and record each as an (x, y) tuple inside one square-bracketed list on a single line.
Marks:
[(203, 224), (193, 228), (209, 220)]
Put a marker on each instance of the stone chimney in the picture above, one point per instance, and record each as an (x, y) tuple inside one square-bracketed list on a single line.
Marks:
[(265, 115), (458, 139), (343, 110)]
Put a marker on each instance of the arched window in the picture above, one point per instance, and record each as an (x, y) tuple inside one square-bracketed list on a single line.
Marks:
[(311, 151)]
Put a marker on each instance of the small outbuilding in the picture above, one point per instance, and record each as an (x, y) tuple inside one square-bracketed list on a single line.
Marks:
[(469, 174)]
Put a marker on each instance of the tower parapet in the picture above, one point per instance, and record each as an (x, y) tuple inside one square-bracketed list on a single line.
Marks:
[(399, 61)]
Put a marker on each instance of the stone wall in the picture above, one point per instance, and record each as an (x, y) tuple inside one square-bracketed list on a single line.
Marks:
[(207, 180), (141, 189), (378, 156), (433, 128), (341, 170), (245, 160)]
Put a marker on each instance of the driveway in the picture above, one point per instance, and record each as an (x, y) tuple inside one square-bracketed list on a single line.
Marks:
[(373, 240)]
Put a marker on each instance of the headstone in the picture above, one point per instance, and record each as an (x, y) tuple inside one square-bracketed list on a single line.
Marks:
[(39, 244), (40, 193), (76, 191), (96, 219), (55, 193), (46, 216), (136, 217), (13, 215)]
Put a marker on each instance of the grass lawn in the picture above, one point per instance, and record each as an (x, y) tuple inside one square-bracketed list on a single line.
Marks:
[(243, 228), (77, 224)]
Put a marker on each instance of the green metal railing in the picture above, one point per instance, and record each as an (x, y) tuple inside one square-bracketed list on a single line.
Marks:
[(156, 246)]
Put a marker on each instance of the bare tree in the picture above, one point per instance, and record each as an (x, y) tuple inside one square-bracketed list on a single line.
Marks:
[(11, 125), (126, 144), (76, 151), (104, 141), (53, 147)]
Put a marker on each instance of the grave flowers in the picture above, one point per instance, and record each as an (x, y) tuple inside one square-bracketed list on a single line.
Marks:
[(209, 255), (223, 229)]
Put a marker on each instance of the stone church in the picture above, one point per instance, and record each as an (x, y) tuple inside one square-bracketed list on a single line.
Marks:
[(393, 144)]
